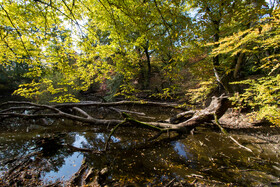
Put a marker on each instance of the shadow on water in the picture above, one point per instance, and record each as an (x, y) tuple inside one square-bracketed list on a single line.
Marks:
[(206, 157)]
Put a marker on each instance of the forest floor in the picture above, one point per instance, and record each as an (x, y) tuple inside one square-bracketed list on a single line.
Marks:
[(246, 124), (237, 120)]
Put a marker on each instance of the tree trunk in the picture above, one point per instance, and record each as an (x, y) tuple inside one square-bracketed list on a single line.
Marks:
[(149, 68), (238, 65)]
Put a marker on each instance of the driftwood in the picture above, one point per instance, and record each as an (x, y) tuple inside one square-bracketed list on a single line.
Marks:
[(218, 107), (24, 170), (87, 176), (181, 122)]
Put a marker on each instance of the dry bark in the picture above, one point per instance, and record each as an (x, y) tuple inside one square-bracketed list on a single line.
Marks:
[(49, 111), (120, 103), (218, 107), (181, 122)]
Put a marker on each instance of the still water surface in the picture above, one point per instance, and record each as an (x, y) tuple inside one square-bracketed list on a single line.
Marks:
[(206, 157)]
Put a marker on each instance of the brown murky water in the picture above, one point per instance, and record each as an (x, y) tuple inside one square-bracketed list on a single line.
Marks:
[(206, 157)]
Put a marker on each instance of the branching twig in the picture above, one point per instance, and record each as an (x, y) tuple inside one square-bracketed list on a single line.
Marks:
[(112, 132), (228, 135), (218, 106), (19, 34)]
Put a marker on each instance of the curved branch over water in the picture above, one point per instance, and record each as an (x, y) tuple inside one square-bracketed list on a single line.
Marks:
[(187, 120)]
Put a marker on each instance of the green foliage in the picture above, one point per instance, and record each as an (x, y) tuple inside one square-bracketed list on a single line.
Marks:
[(66, 46), (168, 93), (138, 35), (200, 94), (263, 40), (65, 98), (52, 89), (33, 34), (114, 85), (263, 96), (12, 75), (89, 41), (129, 91)]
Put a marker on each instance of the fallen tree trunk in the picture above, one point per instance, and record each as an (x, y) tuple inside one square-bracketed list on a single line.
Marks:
[(28, 110), (182, 123), (218, 107)]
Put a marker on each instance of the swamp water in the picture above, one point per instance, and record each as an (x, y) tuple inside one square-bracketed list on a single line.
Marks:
[(206, 157)]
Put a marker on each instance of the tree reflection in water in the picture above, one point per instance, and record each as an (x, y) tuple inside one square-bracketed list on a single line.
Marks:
[(207, 157)]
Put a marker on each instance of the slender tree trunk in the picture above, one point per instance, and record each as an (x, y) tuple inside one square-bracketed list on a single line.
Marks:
[(216, 60), (149, 68), (142, 75), (238, 65)]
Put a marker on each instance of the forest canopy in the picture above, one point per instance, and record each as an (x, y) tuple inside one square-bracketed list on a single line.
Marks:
[(56, 49)]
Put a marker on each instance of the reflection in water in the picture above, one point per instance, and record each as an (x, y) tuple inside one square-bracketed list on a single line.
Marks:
[(79, 140), (73, 162), (181, 149), (71, 165), (101, 136), (206, 154)]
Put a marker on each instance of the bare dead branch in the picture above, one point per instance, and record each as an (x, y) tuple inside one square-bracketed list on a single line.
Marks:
[(56, 113), (120, 111), (121, 103), (82, 112), (225, 132), (218, 106)]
